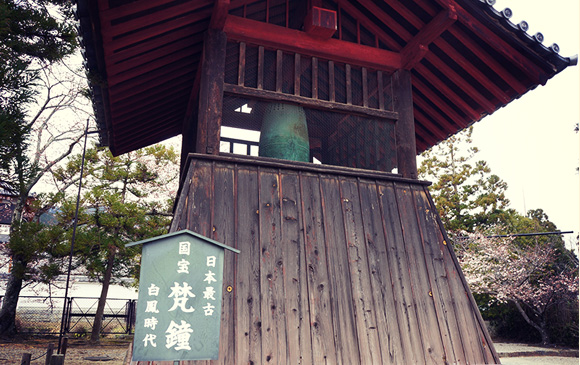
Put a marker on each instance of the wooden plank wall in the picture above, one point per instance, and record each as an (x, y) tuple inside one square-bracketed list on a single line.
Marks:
[(334, 268)]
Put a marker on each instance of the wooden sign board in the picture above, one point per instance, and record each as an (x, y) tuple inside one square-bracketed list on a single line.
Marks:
[(180, 296)]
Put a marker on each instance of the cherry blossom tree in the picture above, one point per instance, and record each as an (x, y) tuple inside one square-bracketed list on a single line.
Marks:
[(529, 277)]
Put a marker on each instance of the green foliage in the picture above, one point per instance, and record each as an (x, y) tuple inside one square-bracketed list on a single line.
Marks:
[(38, 251), (470, 198), (466, 194), (126, 200), (32, 34)]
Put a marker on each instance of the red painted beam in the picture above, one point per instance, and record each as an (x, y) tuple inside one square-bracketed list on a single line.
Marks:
[(413, 55), (291, 40), (498, 68), (219, 14), (427, 35)]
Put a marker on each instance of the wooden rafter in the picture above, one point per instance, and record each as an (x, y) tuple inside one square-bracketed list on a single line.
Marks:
[(158, 94), (417, 48), (427, 124), (145, 47), (452, 95), (147, 33), (496, 66), (442, 104), (114, 29), (461, 82), (463, 38), (387, 19), (491, 38), (433, 113), (377, 30), (151, 57), (149, 81), (418, 23), (465, 61), (181, 58)]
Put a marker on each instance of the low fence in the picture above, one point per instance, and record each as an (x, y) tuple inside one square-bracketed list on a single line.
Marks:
[(42, 315)]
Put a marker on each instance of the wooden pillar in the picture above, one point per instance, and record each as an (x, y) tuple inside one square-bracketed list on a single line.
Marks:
[(211, 90), (405, 126), (189, 138)]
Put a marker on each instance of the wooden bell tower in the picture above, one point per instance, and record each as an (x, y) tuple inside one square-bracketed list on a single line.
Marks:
[(343, 259), (359, 107)]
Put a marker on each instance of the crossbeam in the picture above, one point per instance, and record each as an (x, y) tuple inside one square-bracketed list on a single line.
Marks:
[(268, 35)]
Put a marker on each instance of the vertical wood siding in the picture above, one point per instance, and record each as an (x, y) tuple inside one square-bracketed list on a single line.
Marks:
[(334, 268)]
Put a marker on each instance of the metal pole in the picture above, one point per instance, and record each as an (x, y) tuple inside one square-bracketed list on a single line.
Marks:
[(72, 244), (520, 235)]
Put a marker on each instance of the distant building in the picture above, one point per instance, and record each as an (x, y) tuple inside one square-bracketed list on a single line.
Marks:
[(7, 206)]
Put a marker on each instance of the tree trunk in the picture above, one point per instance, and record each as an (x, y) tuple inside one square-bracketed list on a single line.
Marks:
[(8, 311), (15, 278), (541, 327), (97, 324)]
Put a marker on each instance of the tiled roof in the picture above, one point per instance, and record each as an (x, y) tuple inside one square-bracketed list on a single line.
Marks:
[(143, 59)]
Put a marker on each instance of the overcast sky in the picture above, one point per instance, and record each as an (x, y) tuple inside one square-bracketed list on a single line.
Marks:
[(531, 143)]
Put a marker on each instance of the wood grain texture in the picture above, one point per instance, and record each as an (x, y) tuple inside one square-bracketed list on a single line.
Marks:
[(319, 294), (339, 274), (248, 285), (388, 330), (364, 309), (444, 303), (295, 282), (405, 306), (333, 268), (274, 341)]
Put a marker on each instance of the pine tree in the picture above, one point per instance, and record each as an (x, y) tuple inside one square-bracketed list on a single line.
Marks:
[(127, 199)]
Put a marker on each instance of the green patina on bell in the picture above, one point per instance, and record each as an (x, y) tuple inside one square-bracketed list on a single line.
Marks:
[(284, 133)]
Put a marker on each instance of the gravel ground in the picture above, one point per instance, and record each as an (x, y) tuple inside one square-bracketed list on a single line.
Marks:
[(114, 352), (77, 353)]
